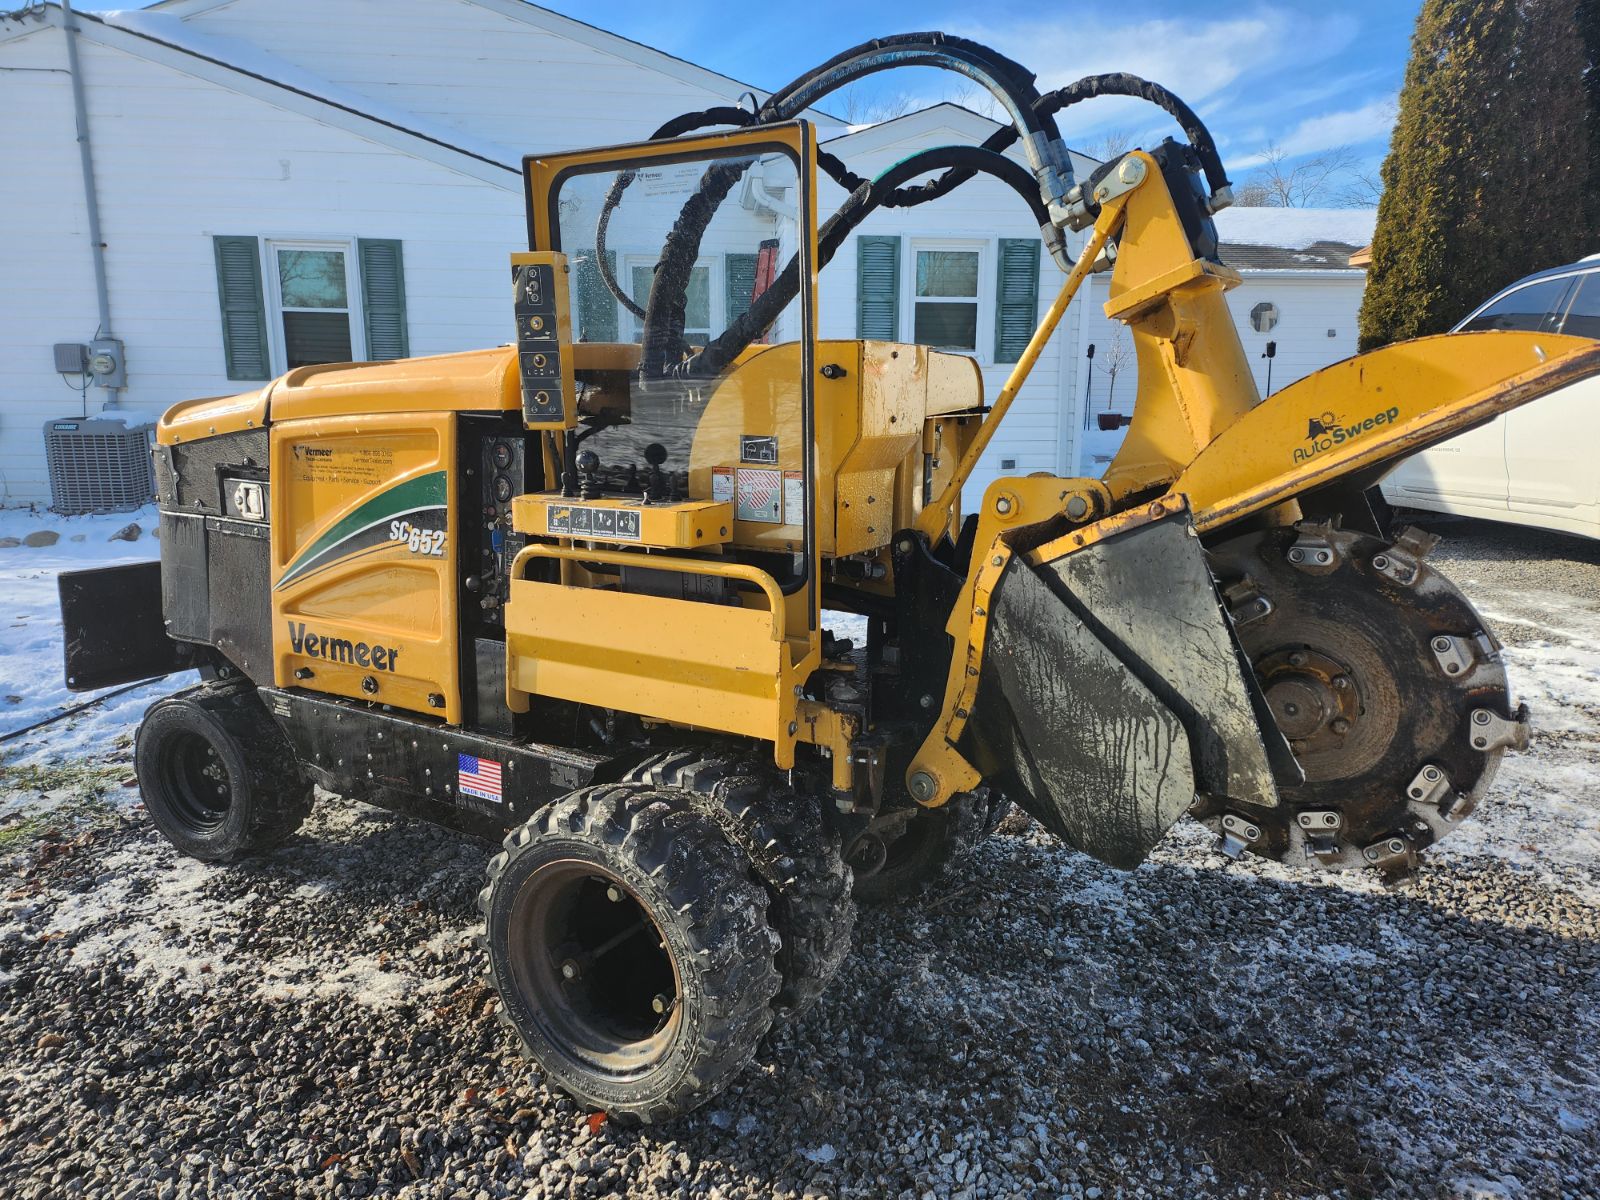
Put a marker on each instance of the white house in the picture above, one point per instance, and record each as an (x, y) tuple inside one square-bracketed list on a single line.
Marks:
[(238, 145)]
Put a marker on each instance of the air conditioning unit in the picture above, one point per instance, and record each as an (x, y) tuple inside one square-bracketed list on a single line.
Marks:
[(98, 464)]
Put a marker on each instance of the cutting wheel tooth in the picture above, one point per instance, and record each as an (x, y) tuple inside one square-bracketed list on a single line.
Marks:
[(1455, 654), (1488, 731), (1428, 786), (1238, 835), (1391, 855)]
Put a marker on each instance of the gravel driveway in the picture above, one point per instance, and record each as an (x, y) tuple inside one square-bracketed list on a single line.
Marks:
[(314, 1024)]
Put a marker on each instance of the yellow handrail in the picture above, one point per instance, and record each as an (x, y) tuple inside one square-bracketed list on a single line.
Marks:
[(658, 562)]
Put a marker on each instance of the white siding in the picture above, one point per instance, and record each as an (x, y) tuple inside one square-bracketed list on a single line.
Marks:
[(186, 149), (179, 160)]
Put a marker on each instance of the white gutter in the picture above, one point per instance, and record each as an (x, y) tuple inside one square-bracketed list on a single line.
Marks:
[(91, 199)]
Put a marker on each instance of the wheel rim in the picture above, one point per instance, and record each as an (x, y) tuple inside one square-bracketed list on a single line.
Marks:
[(201, 791), (592, 962)]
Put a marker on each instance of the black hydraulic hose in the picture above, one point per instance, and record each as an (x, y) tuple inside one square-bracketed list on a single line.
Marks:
[(750, 324), (677, 127), (1032, 114), (1087, 88), (1011, 85), (666, 310), (1120, 83), (1010, 82), (689, 122)]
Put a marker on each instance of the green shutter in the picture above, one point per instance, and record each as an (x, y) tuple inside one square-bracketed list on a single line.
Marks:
[(1016, 308), (383, 298), (878, 288), (597, 307), (244, 312), (739, 285)]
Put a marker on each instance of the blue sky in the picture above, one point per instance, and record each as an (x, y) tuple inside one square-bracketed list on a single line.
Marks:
[(1307, 76), (1303, 75)]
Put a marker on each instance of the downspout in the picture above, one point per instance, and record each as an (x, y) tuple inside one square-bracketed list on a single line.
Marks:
[(91, 200)]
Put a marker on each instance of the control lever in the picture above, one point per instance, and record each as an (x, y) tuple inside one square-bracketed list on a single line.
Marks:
[(588, 462), (656, 488)]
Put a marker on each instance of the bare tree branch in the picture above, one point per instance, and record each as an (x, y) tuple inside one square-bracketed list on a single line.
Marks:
[(864, 108), (1327, 179), (1107, 145)]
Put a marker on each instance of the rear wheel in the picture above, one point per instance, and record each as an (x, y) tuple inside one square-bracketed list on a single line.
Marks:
[(887, 867), (217, 777), (630, 950)]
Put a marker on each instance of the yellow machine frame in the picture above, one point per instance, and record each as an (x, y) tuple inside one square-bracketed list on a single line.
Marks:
[(1201, 442)]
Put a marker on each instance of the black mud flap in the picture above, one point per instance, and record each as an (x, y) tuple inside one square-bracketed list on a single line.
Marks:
[(1112, 691), (112, 627)]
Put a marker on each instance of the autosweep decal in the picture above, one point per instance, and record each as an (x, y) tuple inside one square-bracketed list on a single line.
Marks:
[(403, 513), (1325, 432)]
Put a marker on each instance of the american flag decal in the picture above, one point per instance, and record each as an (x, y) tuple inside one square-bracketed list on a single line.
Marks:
[(478, 777)]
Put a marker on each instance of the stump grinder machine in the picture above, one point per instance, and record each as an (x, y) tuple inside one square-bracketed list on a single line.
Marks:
[(583, 592)]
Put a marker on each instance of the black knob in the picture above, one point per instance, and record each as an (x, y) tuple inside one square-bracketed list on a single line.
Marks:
[(472, 583), (588, 460), (655, 454)]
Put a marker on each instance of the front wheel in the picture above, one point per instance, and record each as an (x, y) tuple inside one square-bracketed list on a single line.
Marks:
[(631, 950)]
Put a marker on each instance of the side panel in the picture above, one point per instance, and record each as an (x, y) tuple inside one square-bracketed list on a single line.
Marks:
[(364, 559), (455, 777), (710, 665)]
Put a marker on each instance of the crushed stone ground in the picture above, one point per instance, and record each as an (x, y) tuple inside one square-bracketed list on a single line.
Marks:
[(314, 1023)]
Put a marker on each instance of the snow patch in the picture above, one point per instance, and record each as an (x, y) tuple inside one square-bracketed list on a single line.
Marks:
[(32, 683)]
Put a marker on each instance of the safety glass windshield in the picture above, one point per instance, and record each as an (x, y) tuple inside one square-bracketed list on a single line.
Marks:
[(689, 269)]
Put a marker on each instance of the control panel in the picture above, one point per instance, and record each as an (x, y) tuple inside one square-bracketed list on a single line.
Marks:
[(542, 302), (684, 525), (497, 466)]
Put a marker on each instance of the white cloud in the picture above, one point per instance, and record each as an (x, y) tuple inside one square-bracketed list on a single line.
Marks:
[(1195, 58), (1352, 127)]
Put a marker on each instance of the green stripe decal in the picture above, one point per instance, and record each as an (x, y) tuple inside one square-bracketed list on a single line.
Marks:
[(412, 495)]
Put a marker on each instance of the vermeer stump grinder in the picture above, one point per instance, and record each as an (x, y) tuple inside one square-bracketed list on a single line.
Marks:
[(575, 592)]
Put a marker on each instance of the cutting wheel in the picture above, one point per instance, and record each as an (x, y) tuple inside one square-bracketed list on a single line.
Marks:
[(1384, 681)]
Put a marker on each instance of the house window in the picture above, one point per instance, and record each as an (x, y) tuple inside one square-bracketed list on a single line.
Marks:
[(290, 303), (313, 291), (1264, 316), (697, 329), (945, 299)]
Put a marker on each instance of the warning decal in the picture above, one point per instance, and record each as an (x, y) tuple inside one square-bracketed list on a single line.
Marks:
[(721, 484), (758, 495), (794, 498)]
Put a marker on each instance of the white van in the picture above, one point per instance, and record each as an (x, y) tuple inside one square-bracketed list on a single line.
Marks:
[(1535, 465)]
